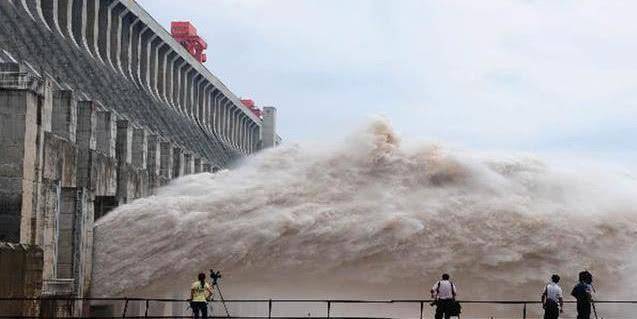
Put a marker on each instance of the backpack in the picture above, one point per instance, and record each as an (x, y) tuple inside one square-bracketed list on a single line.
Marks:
[(455, 309)]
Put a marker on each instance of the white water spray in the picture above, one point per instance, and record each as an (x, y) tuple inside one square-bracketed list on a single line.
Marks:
[(369, 219)]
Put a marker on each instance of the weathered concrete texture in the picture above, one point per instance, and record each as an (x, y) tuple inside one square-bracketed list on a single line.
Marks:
[(166, 160), (64, 114), (139, 148), (31, 40), (197, 165), (16, 114), (98, 107), (269, 136), (178, 162), (53, 209), (20, 276), (21, 112), (153, 161), (60, 160)]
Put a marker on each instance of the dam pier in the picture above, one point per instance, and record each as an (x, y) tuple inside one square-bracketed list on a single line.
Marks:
[(99, 106)]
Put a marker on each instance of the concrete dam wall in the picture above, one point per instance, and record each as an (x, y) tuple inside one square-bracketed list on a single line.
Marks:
[(99, 105)]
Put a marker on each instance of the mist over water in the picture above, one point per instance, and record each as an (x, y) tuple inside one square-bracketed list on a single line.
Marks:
[(368, 218)]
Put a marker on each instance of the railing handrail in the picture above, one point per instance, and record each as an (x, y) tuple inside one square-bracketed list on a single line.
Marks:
[(369, 301), (327, 302)]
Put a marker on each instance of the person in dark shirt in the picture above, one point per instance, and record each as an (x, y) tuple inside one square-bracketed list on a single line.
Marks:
[(583, 292)]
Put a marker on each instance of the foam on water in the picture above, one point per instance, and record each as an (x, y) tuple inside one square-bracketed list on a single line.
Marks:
[(369, 218)]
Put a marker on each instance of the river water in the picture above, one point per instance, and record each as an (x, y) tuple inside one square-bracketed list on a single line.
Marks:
[(369, 218)]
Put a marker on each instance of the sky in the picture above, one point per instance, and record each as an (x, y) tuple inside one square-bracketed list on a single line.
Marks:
[(530, 76)]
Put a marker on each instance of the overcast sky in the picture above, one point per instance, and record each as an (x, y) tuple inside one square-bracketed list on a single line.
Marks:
[(539, 76)]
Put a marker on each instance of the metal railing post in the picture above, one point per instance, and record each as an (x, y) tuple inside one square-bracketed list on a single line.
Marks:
[(125, 308), (422, 308), (524, 312), (146, 311), (329, 307), (269, 308)]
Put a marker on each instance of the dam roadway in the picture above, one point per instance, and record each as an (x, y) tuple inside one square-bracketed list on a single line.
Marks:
[(99, 105)]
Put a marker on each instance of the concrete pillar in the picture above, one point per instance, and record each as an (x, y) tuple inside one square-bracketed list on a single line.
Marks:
[(66, 220), (197, 165), (153, 154), (199, 99), (110, 33), (102, 30), (178, 162), (151, 62), (244, 135), (65, 15), (180, 87), (186, 101), (216, 113), (124, 142), (142, 65), (139, 148), (253, 137), (166, 160), (86, 140), (153, 161), (206, 167), (170, 78), (269, 136), (106, 132), (139, 59), (159, 83), (83, 245), (189, 164), (133, 50), (122, 40), (227, 122), (225, 114), (125, 190), (204, 113), (78, 23), (237, 119), (34, 9), (21, 108), (114, 33), (64, 114), (92, 27), (49, 11), (231, 125)]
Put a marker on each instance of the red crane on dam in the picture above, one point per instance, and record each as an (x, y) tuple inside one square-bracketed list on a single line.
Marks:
[(186, 34)]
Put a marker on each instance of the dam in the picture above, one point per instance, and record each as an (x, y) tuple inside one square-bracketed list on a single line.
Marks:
[(127, 168), (99, 105)]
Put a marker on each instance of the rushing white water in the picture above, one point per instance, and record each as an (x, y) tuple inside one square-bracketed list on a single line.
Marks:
[(370, 218)]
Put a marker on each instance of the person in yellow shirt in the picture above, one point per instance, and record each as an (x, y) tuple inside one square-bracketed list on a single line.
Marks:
[(200, 293)]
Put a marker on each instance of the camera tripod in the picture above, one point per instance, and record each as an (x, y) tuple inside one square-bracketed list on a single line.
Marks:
[(215, 276)]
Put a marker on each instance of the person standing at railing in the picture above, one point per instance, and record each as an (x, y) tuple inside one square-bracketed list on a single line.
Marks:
[(583, 292), (444, 294), (552, 299), (200, 293)]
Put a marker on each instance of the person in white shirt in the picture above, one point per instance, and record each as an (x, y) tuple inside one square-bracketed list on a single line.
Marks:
[(444, 294), (552, 299)]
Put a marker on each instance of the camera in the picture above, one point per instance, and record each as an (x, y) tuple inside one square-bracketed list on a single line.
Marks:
[(215, 276)]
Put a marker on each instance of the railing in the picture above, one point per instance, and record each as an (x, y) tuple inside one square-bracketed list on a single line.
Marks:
[(327, 305)]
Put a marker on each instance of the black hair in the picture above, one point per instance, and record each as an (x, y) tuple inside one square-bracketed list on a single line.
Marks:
[(555, 278), (202, 279), (586, 277), (445, 276)]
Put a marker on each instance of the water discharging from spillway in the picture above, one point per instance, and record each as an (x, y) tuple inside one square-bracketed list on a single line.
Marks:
[(369, 218)]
